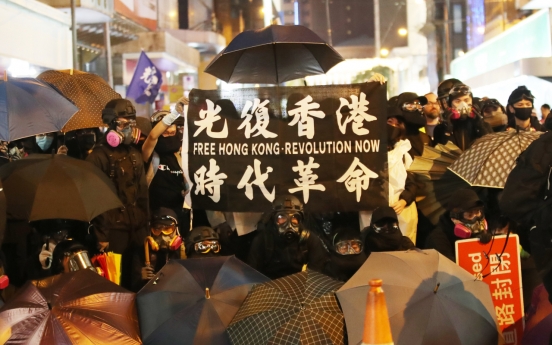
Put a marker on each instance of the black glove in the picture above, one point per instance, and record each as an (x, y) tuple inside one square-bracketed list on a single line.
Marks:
[(485, 237)]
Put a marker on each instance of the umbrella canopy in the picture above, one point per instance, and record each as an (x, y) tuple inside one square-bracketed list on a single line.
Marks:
[(488, 162), (29, 107), (273, 55), (430, 300), (56, 186), (89, 92), (439, 183), (192, 301), (538, 326), (71, 308), (298, 309)]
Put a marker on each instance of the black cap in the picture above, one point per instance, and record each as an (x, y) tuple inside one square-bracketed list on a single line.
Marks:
[(520, 93), (464, 199), (164, 216), (118, 108), (393, 109), (416, 118), (406, 97), (381, 213)]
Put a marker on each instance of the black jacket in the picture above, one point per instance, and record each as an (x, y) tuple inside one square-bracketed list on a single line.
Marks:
[(461, 133), (417, 139), (442, 238)]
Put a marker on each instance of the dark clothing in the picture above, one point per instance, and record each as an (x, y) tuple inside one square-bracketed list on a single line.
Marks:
[(442, 238), (126, 228), (461, 133), (343, 267), (275, 258), (233, 244), (386, 243), (535, 124), (166, 186), (417, 139)]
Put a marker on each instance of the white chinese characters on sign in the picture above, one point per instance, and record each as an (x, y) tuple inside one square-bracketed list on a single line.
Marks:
[(259, 181), (260, 111), (209, 180), (500, 264), (307, 179), (208, 118), (357, 178), (357, 114), (301, 116), (149, 77), (505, 314)]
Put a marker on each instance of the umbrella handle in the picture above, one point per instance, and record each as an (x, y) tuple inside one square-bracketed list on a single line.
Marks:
[(146, 250)]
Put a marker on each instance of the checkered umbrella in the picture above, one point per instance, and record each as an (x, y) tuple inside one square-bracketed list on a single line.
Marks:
[(88, 91), (489, 160), (299, 309), (438, 182)]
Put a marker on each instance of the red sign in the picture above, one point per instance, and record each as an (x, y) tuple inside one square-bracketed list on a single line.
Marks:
[(497, 263)]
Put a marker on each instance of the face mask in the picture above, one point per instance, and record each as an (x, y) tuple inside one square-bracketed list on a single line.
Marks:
[(127, 136), (168, 144), (461, 111), (523, 113), (44, 142), (393, 134), (164, 237), (288, 224), (471, 229)]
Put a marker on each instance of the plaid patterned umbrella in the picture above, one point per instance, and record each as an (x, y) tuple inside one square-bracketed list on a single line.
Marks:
[(88, 91), (299, 309), (439, 183), (489, 160)]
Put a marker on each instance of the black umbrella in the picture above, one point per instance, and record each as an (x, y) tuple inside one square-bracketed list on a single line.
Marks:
[(273, 55), (29, 107), (57, 186), (192, 301)]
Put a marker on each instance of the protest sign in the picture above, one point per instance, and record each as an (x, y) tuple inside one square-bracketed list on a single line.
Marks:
[(326, 145)]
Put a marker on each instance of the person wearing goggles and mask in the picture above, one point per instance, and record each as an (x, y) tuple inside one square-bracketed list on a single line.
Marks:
[(346, 253), (283, 245), (384, 234), (202, 242), (122, 230), (494, 114), (163, 244), (465, 218), (519, 109), (464, 123), (71, 256)]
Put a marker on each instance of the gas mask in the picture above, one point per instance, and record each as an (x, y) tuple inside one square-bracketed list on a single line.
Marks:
[(165, 237), (288, 224), (129, 134), (462, 111), (467, 228)]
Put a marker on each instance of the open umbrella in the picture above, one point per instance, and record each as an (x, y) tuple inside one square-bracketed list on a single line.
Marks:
[(56, 186), (273, 55), (299, 309), (29, 107), (90, 93), (439, 183), (488, 162), (71, 308), (430, 300), (192, 301)]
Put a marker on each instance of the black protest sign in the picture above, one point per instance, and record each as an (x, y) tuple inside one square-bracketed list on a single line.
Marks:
[(325, 144)]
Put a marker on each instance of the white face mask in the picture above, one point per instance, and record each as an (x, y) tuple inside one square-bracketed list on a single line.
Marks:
[(463, 108)]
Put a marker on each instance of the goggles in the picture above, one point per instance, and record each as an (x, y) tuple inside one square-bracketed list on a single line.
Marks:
[(206, 246), (460, 89), (348, 247), (124, 124), (385, 228), (166, 230), (412, 106), (283, 218)]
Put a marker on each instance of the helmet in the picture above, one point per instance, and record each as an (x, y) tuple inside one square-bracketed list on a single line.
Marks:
[(457, 91), (118, 108), (202, 233), (444, 87), (287, 202)]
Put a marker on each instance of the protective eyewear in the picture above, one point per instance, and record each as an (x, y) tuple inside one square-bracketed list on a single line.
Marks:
[(348, 247), (124, 124), (283, 218), (412, 106), (460, 89), (385, 228), (167, 230), (206, 246)]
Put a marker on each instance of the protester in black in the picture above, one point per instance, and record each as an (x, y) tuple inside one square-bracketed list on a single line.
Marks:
[(384, 234), (347, 253), (283, 245), (410, 106), (122, 230), (494, 114), (463, 219), (519, 109), (203, 242)]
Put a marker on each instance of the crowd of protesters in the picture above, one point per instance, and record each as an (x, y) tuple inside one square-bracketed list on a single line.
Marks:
[(143, 159)]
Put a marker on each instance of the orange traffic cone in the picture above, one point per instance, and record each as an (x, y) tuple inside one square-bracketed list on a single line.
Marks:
[(377, 330)]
